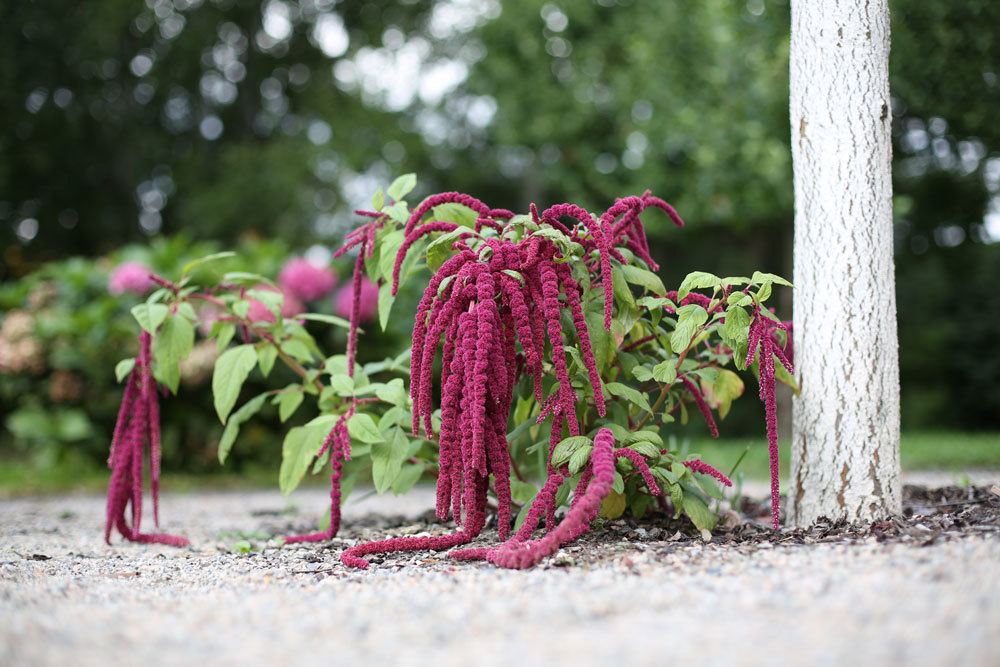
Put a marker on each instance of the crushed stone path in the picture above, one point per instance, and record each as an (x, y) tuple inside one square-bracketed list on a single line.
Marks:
[(66, 598)]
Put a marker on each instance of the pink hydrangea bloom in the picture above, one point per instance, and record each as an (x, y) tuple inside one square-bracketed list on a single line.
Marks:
[(130, 277), (306, 281), (368, 301)]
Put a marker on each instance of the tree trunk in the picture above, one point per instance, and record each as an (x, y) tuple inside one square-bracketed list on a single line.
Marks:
[(845, 435)]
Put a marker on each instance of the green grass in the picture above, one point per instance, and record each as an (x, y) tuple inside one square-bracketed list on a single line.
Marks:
[(21, 478), (920, 451)]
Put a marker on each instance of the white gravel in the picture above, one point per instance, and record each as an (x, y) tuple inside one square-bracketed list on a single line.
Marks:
[(66, 598)]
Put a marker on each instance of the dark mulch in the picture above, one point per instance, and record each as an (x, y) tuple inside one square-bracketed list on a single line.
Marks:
[(929, 516)]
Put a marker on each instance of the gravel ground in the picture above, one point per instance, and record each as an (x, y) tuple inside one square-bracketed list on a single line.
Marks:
[(626, 594)]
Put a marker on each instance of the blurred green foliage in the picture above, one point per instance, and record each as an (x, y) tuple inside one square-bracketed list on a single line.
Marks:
[(232, 120)]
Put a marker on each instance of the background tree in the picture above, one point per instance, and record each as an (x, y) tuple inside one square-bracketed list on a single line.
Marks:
[(103, 106), (845, 440)]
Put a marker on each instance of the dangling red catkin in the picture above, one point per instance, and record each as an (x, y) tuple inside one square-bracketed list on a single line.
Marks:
[(762, 336), (521, 555), (707, 469), (567, 397), (572, 290), (138, 424), (412, 238), (640, 464), (706, 411), (447, 198), (338, 440)]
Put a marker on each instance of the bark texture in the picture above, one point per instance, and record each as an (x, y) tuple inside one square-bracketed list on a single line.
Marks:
[(845, 441)]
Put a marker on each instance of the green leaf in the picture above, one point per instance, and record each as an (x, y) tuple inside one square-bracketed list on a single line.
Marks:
[(641, 373), (654, 302), (516, 275), (402, 186), (460, 214), (618, 483), (522, 493), (764, 293), (731, 281), (214, 257), (567, 447), (440, 249), (677, 498), (388, 248), (408, 476), (629, 394), (522, 516), (739, 299), (665, 372), (737, 326), (398, 212), (150, 315), (385, 301), (579, 458), (363, 428), (328, 319), (689, 318), (231, 371), (645, 436), (225, 335), (697, 280), (696, 510), (298, 449), (760, 278), (248, 410), (342, 384), (378, 200), (613, 505), (622, 291), (709, 485), (266, 356), (246, 278), (172, 344), (123, 368), (602, 342), (394, 392), (644, 278), (288, 402), (727, 387), (387, 458), (297, 349), (646, 448)]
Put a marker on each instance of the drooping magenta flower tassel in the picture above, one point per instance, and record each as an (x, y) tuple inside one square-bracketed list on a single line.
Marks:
[(763, 340), (338, 442), (137, 428), (520, 555), (707, 469)]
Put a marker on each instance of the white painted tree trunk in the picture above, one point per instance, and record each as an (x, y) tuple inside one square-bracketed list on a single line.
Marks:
[(845, 434)]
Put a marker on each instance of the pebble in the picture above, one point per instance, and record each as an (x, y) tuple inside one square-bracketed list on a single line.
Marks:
[(66, 598)]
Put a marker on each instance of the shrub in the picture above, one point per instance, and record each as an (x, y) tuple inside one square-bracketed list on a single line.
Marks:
[(539, 328)]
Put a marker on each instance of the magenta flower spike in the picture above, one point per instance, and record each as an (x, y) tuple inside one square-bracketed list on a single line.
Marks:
[(640, 464), (138, 427), (699, 399), (445, 198), (707, 469), (520, 555), (411, 238)]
